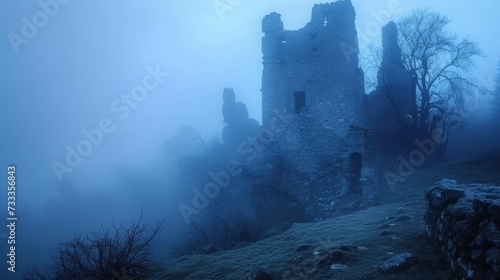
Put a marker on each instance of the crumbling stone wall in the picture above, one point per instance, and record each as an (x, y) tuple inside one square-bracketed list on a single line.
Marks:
[(310, 73), (390, 105), (239, 126), (313, 74), (463, 222), (392, 72)]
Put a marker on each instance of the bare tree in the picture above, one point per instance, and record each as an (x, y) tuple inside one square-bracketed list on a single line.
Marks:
[(437, 62), (121, 253)]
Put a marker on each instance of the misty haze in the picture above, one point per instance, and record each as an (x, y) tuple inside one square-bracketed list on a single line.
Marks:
[(233, 139)]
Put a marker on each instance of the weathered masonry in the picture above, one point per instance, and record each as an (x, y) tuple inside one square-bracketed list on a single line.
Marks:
[(313, 73)]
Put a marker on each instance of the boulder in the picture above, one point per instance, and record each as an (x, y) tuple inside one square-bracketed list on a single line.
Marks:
[(398, 262)]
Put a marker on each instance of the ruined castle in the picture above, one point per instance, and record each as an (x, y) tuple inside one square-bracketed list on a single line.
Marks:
[(310, 72), (313, 72), (328, 149)]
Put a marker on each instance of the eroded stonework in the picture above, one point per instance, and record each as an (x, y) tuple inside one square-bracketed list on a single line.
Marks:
[(313, 73)]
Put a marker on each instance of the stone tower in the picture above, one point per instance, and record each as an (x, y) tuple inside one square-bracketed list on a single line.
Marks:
[(313, 73), (390, 110)]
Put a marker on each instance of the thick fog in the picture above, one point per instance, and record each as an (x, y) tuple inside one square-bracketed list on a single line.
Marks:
[(124, 76)]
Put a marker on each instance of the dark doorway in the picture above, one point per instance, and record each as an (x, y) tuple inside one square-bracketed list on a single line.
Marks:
[(354, 173), (300, 100)]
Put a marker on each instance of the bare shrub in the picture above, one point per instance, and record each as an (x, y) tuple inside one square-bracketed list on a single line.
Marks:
[(118, 253)]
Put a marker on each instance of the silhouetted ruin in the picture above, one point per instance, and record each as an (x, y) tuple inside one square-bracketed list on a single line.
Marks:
[(314, 110), (389, 107), (239, 126)]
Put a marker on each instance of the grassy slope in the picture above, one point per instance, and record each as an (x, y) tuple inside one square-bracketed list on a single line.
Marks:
[(362, 228)]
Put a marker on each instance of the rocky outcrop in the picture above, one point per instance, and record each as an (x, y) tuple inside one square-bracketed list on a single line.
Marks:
[(463, 222), (239, 126)]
